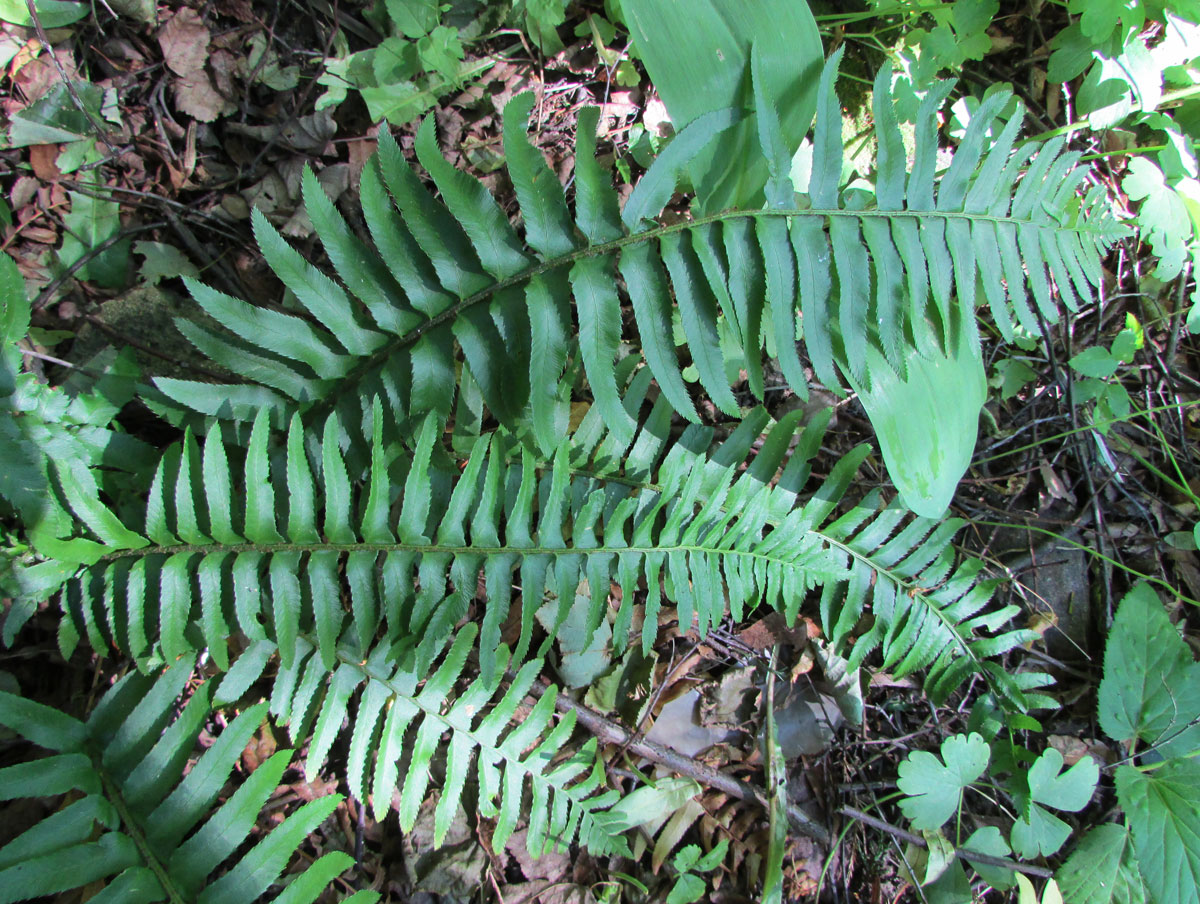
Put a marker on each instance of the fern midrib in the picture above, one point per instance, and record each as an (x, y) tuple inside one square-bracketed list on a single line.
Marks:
[(327, 403), (912, 589), (428, 548), (133, 830), (772, 522)]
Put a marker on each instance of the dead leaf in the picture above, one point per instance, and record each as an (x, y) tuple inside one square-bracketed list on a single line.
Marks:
[(224, 66), (1054, 484), (38, 76), (310, 134), (318, 787), (656, 119), (542, 891), (196, 96), (358, 152), (237, 9), (42, 158), (144, 11), (773, 629), (551, 865), (22, 192), (184, 42), (258, 749)]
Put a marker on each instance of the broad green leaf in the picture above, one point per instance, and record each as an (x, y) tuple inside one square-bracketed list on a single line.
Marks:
[(1012, 375), (1070, 790), (933, 789), (1095, 362), (1161, 809), (441, 51), (414, 18), (1151, 685), (927, 423), (645, 803), (583, 659), (1162, 216), (1072, 54), (951, 887), (90, 223), (1027, 894), (162, 261), (50, 13), (733, 171), (988, 840), (1102, 869), (14, 314), (1100, 17)]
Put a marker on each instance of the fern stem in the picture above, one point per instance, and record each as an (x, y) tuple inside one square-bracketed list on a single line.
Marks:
[(899, 580), (525, 552), (113, 793)]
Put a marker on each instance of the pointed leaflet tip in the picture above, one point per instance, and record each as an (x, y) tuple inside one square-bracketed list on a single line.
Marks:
[(779, 190)]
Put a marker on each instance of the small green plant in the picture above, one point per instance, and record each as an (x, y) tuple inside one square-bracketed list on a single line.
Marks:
[(1096, 365), (934, 793), (422, 55), (690, 886), (1149, 699)]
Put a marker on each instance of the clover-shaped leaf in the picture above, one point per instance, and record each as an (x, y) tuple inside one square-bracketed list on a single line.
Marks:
[(1039, 832), (933, 790), (988, 840)]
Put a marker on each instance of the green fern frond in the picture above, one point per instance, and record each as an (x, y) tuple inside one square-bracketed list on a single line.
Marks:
[(402, 555), (138, 823), (453, 275)]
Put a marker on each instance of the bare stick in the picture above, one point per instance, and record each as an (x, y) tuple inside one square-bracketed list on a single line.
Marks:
[(966, 853), (612, 733)]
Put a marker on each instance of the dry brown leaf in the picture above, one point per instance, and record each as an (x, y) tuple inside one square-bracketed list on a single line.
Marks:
[(38, 76), (196, 96), (237, 9), (22, 192), (184, 42), (42, 158), (224, 66)]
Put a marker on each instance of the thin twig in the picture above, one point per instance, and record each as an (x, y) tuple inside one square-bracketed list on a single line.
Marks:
[(611, 733), (966, 853), (101, 131)]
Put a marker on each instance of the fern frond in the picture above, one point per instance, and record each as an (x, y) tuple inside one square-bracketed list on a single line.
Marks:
[(139, 824), (405, 551), (453, 276), (402, 555)]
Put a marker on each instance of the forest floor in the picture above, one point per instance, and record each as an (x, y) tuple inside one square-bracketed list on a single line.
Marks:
[(204, 112)]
